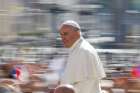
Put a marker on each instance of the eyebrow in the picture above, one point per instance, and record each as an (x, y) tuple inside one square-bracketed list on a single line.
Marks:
[(63, 33)]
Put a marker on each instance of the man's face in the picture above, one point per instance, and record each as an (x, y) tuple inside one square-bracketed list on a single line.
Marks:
[(68, 35)]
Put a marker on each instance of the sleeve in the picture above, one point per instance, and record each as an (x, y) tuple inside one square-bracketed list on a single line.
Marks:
[(94, 66)]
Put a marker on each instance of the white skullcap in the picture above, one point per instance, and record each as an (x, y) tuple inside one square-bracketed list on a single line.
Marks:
[(71, 23)]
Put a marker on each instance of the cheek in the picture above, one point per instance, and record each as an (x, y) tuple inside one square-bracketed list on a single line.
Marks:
[(66, 38)]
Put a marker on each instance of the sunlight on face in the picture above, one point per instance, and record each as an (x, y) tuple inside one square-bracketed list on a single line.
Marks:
[(68, 35)]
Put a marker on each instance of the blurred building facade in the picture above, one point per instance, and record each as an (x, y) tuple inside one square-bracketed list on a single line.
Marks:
[(107, 24), (114, 23), (6, 20)]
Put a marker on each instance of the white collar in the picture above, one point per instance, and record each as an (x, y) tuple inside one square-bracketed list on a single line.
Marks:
[(75, 44)]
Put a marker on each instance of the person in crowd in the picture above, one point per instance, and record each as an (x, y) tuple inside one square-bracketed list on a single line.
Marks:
[(66, 88), (8, 88)]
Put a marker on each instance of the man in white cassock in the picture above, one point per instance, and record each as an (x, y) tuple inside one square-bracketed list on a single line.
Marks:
[(83, 69)]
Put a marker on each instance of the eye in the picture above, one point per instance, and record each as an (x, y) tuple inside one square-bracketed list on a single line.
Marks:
[(64, 34)]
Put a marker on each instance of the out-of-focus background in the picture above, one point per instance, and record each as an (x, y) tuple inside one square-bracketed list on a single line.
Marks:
[(29, 36)]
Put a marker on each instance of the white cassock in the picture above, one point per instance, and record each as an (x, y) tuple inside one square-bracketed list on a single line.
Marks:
[(84, 69)]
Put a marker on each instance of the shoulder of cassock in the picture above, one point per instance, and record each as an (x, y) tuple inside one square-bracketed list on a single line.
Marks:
[(91, 56)]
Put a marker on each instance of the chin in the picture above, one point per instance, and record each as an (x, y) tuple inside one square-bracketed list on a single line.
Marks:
[(66, 46)]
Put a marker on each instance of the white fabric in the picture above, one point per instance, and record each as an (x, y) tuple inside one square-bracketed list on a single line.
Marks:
[(84, 69), (88, 86), (71, 23)]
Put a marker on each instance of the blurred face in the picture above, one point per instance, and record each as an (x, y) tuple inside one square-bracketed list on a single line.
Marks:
[(68, 35)]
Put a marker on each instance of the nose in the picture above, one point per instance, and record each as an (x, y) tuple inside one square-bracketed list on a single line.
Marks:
[(63, 37)]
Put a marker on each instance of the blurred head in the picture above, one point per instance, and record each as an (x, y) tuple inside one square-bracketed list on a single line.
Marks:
[(9, 86), (6, 88), (70, 32), (65, 89)]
